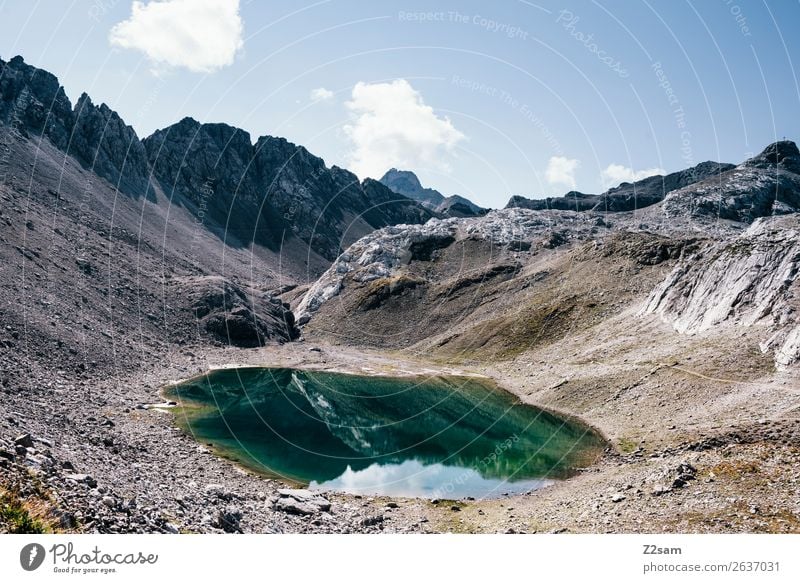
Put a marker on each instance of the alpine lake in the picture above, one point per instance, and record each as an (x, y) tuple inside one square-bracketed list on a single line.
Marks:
[(431, 437)]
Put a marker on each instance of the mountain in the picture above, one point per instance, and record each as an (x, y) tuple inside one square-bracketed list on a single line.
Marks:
[(196, 214), (519, 278), (406, 183), (262, 193), (627, 196), (271, 190)]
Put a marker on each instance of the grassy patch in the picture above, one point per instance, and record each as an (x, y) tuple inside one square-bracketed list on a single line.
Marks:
[(735, 469), (627, 445), (16, 517)]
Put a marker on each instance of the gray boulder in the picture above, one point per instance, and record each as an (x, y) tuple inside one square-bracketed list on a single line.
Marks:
[(302, 502)]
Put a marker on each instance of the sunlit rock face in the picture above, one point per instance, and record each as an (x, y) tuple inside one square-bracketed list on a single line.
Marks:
[(750, 280)]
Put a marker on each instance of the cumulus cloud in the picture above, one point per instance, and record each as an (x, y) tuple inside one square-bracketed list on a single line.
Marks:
[(392, 127), (199, 35), (561, 171), (321, 94), (615, 174)]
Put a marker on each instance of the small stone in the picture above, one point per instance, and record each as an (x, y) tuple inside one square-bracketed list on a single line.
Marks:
[(373, 520), (83, 479), (25, 440), (67, 520), (109, 501), (660, 489), (618, 497), (228, 519)]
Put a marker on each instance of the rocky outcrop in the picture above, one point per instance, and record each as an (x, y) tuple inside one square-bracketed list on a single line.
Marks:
[(458, 206), (406, 183), (33, 103), (768, 184), (628, 196), (750, 280), (302, 502), (653, 189), (380, 254), (572, 201), (232, 316)]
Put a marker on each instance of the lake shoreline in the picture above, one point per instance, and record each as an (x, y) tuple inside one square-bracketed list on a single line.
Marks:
[(456, 428), (634, 487)]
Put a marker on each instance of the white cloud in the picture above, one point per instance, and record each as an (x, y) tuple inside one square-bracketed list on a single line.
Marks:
[(615, 174), (200, 35), (561, 170), (394, 128), (321, 94)]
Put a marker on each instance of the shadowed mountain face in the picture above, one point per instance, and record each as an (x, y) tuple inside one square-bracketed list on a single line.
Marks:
[(406, 183), (271, 190), (108, 240), (627, 196), (34, 104), (264, 193)]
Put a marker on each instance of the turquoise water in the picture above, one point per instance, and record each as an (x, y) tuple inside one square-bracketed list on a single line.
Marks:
[(434, 437)]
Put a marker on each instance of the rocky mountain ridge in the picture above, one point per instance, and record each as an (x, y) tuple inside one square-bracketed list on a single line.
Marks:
[(628, 196), (262, 193), (749, 280)]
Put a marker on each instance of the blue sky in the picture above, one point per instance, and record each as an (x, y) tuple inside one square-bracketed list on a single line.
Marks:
[(484, 99)]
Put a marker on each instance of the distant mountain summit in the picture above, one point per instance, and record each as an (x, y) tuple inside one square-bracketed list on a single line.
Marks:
[(406, 183)]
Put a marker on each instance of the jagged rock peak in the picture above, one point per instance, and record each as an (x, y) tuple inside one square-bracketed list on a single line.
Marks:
[(783, 153), (34, 103), (628, 196), (103, 143)]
